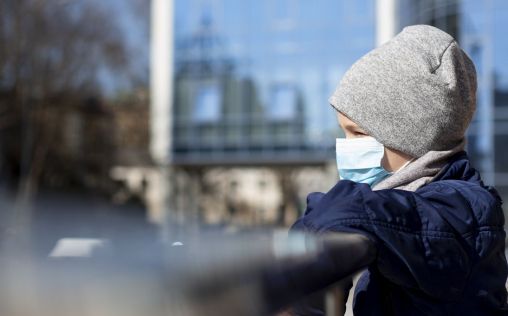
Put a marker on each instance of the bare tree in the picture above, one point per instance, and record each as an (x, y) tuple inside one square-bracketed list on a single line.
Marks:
[(53, 55)]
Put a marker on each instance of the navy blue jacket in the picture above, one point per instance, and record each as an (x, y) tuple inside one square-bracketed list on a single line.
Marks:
[(440, 248)]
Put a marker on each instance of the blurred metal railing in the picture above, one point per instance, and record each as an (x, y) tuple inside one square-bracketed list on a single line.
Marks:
[(242, 274)]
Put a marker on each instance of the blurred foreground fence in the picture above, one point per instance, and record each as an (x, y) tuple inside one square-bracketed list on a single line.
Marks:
[(249, 274)]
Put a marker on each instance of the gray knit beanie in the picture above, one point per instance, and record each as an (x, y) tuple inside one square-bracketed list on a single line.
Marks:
[(416, 93)]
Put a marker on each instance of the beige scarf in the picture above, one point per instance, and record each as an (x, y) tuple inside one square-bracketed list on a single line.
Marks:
[(419, 172)]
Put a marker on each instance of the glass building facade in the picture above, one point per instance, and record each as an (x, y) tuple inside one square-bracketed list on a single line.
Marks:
[(483, 27), (252, 78)]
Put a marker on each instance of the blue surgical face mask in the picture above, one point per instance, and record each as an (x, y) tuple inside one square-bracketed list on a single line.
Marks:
[(359, 160)]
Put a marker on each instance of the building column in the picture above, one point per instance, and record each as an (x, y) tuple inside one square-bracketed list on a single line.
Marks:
[(161, 99), (387, 20)]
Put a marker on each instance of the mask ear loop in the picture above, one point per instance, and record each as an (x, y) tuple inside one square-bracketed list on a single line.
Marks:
[(404, 165)]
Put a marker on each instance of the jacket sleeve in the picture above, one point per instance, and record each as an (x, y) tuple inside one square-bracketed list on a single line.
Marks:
[(425, 239)]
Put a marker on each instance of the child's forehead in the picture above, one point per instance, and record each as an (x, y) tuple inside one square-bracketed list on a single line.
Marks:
[(346, 122)]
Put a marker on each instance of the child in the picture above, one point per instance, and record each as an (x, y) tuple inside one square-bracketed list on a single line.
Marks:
[(407, 184)]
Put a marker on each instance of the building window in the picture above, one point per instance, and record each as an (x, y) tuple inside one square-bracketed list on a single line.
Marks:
[(207, 104), (282, 104)]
